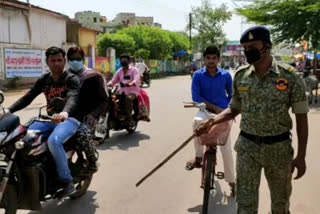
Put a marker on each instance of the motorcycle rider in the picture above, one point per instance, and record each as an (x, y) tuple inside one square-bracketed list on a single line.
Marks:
[(92, 103), (129, 79), (57, 83)]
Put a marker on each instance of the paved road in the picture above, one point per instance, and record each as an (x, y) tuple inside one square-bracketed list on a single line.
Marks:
[(125, 159)]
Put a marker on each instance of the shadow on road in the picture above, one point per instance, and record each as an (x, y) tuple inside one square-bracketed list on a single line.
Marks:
[(84, 205), (219, 202), (123, 141)]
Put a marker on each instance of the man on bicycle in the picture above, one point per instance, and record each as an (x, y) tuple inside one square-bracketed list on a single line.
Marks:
[(212, 86)]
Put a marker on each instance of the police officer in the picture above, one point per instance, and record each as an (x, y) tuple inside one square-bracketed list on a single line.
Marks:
[(264, 91)]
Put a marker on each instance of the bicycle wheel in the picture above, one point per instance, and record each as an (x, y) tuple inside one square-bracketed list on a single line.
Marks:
[(208, 182)]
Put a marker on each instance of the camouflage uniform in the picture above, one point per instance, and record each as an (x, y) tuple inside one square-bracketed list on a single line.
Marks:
[(264, 104)]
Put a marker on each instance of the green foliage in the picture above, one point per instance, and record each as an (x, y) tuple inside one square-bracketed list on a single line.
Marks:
[(291, 21), (208, 22), (142, 53), (119, 41), (180, 42), (144, 41), (155, 40)]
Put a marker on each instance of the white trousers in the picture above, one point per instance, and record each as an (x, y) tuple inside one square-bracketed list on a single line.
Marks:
[(226, 150)]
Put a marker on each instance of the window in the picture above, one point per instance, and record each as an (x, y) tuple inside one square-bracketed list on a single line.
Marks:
[(94, 19), (101, 20)]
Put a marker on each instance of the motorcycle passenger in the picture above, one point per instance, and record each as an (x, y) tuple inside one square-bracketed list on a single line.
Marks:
[(129, 79), (132, 61), (92, 103), (57, 83), (143, 69)]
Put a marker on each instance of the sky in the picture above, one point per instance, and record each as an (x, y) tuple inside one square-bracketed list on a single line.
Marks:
[(172, 14)]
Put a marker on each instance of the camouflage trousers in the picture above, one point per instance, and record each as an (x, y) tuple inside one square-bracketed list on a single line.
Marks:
[(84, 136), (276, 160)]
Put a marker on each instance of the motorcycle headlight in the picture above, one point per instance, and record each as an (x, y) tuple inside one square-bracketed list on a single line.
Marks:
[(19, 145)]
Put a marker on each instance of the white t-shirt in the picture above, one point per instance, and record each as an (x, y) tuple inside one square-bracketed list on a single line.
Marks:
[(141, 67)]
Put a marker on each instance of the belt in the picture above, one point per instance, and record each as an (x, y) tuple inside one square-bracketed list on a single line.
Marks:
[(266, 139)]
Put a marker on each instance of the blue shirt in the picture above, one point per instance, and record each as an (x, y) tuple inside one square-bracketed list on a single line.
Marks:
[(216, 90)]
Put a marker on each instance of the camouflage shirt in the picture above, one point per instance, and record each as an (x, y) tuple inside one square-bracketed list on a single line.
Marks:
[(264, 102)]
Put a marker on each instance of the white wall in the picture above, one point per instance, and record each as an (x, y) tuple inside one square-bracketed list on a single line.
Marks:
[(46, 30), (13, 27)]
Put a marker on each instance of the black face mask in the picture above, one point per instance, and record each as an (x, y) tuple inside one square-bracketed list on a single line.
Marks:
[(253, 55), (124, 64)]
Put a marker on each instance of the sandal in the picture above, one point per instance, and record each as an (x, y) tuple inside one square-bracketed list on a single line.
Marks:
[(191, 164)]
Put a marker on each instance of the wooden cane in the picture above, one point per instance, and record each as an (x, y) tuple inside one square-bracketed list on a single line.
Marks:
[(165, 160)]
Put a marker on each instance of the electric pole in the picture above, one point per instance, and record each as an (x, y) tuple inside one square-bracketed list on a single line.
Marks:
[(190, 28)]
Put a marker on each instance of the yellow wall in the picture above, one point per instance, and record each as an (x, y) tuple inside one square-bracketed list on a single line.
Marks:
[(87, 39)]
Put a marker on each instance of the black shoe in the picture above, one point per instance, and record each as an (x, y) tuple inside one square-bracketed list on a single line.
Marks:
[(68, 189)]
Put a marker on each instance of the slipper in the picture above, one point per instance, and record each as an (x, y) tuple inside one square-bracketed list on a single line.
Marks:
[(191, 164)]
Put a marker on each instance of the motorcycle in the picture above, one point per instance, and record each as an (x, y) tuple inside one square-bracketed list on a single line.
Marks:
[(113, 119), (27, 169), (146, 78)]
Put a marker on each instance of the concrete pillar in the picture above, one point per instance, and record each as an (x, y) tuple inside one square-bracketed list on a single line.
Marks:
[(93, 54)]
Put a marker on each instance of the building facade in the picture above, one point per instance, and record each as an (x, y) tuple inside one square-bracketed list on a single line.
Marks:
[(26, 32), (84, 36), (130, 19)]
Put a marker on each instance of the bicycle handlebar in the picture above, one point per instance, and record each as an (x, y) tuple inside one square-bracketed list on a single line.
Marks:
[(189, 106), (201, 106)]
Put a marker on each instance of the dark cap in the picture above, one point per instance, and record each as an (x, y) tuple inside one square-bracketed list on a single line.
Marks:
[(257, 33)]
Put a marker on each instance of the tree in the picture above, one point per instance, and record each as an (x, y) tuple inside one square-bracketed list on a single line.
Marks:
[(291, 21), (121, 42), (208, 23), (144, 41), (142, 53), (180, 42), (155, 40)]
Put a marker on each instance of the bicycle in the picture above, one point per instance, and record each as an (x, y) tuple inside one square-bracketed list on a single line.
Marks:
[(209, 164)]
